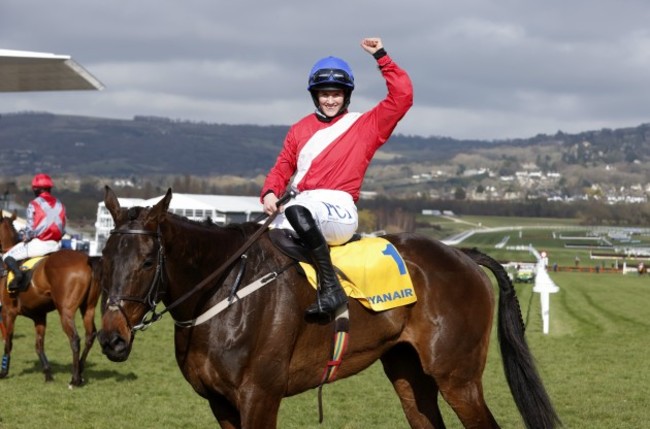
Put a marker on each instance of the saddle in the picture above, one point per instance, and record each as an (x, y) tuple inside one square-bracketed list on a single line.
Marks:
[(27, 266), (370, 269), (287, 242)]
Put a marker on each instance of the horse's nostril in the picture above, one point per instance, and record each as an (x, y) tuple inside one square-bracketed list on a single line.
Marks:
[(110, 340), (114, 346), (117, 343)]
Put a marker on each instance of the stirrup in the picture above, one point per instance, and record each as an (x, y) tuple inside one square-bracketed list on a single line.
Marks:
[(318, 309)]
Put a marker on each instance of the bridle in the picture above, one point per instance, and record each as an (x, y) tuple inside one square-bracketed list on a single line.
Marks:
[(149, 300), (156, 284)]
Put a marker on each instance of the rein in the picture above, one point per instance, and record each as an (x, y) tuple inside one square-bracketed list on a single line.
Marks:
[(286, 197), (245, 291), (153, 316), (215, 274)]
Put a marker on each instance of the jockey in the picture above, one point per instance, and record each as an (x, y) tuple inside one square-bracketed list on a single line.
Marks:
[(44, 230), (327, 154)]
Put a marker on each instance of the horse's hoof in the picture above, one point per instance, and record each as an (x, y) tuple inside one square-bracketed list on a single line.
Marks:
[(4, 374), (75, 383)]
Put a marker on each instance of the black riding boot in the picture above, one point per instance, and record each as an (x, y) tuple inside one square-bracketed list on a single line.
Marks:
[(12, 264), (331, 294)]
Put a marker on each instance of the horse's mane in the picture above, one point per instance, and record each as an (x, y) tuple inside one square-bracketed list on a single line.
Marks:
[(208, 224)]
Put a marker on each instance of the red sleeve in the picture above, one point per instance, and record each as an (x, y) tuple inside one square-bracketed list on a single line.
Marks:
[(279, 176), (398, 101)]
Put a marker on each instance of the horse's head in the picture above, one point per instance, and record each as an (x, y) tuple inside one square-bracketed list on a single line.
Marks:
[(8, 233), (131, 273)]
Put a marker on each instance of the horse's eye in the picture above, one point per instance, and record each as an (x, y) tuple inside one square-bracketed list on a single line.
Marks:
[(148, 263)]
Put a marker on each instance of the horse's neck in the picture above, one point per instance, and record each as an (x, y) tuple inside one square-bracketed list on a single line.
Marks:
[(193, 251), (192, 254)]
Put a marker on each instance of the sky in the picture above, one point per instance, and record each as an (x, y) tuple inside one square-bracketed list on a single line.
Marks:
[(481, 69)]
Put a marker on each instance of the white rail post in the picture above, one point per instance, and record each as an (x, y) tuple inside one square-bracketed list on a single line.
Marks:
[(545, 287)]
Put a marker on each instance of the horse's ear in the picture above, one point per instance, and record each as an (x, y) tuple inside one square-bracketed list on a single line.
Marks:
[(111, 202), (159, 211), (14, 215)]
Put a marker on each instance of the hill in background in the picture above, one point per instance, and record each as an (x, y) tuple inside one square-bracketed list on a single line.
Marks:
[(154, 146)]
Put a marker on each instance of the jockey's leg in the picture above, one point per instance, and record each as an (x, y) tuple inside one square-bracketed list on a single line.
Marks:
[(12, 264), (331, 295), (17, 253)]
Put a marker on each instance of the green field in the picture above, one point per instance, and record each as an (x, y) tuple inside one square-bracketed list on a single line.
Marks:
[(593, 362)]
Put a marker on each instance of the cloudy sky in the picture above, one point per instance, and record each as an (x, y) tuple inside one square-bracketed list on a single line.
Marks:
[(486, 69)]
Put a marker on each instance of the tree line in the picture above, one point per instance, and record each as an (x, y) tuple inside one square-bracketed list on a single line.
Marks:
[(381, 213)]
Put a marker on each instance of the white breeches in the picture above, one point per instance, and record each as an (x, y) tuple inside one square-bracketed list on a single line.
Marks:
[(34, 247), (334, 213)]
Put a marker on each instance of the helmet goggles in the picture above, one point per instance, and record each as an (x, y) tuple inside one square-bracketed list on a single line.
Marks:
[(331, 76)]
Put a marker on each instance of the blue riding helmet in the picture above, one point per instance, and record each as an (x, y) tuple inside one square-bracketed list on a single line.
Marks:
[(331, 73)]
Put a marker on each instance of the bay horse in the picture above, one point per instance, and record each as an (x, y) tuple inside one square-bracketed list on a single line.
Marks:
[(260, 349), (63, 281)]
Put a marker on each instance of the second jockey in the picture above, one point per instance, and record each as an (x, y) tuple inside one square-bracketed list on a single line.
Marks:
[(45, 228)]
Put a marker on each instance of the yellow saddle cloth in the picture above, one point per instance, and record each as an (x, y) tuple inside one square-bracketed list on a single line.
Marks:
[(375, 273), (25, 266)]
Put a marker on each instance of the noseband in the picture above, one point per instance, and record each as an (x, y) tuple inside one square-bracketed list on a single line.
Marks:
[(149, 301)]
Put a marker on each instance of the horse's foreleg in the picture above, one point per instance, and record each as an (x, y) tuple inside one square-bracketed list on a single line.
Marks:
[(225, 413), (259, 409), (417, 391), (91, 333), (67, 322), (40, 325), (8, 320)]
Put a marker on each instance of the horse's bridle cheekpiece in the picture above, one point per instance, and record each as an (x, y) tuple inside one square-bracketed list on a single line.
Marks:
[(152, 293)]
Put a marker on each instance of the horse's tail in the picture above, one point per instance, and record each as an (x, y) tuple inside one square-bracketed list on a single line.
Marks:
[(525, 383)]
